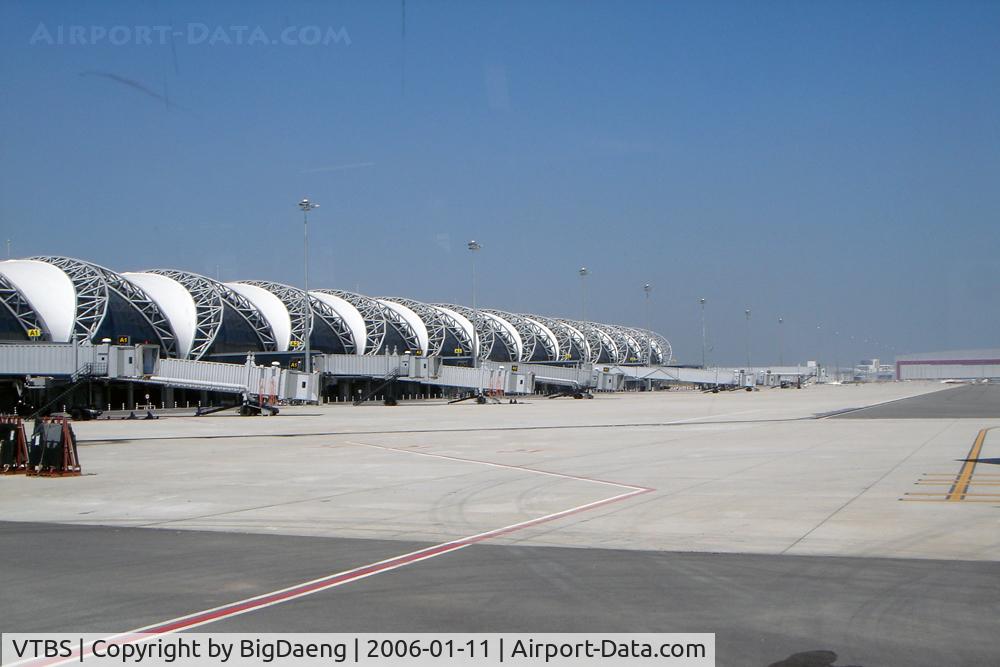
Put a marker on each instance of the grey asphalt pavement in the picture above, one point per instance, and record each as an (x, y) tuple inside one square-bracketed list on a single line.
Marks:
[(763, 608), (977, 401)]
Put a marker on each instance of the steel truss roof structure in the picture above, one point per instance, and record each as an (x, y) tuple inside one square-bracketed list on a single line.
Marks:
[(573, 345), (492, 330), (439, 324), (335, 322), (21, 309), (371, 310), (92, 283), (602, 346), (294, 301), (627, 347), (248, 312), (535, 338), (653, 345), (208, 305), (181, 303), (211, 299)]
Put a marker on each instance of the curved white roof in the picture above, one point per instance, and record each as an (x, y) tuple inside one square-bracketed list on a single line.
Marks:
[(582, 338), (49, 291), (608, 343), (510, 328), (548, 332), (462, 320), (351, 316), (410, 318), (590, 330), (638, 345), (273, 310), (174, 301)]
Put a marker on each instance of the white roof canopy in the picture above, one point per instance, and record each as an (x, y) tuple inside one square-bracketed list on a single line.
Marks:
[(463, 321), (273, 310), (351, 316), (49, 291), (412, 319), (510, 328), (548, 333), (174, 301)]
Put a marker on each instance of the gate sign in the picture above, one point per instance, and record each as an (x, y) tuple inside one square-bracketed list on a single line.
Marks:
[(34, 333), (459, 351), (295, 343), (124, 340)]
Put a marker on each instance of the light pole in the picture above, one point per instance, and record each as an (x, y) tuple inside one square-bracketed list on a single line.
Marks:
[(819, 361), (307, 206), (781, 353), (584, 272), (647, 288), (702, 302), (747, 313), (836, 354), (474, 246)]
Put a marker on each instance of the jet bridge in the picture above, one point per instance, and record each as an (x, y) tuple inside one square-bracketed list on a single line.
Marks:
[(488, 376), (68, 363), (43, 363)]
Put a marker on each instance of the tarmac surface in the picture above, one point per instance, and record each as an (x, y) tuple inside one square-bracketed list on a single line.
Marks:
[(749, 515), (870, 611), (961, 402)]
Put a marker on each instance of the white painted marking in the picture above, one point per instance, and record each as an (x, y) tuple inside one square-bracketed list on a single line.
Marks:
[(272, 598), (500, 465)]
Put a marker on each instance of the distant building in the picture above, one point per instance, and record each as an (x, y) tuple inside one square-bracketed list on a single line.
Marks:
[(871, 370), (952, 365)]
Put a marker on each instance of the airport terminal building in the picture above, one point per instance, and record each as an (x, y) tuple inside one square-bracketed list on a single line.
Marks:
[(191, 316), (50, 299)]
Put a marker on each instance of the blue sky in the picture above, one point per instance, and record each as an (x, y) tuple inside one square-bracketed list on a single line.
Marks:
[(835, 164)]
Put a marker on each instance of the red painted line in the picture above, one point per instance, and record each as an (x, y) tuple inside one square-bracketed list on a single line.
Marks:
[(368, 570), (298, 591), (340, 578)]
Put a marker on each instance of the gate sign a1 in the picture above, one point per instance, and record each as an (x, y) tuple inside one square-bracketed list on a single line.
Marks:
[(34, 333)]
